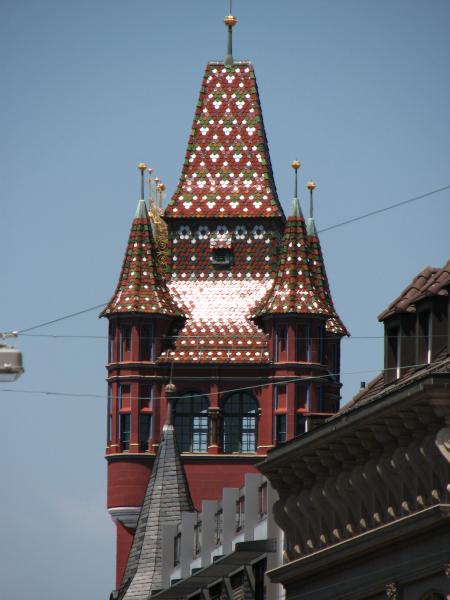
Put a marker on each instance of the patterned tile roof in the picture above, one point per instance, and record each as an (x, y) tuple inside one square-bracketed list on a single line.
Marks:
[(429, 282), (227, 170), (294, 290), (167, 496), (141, 288), (218, 325), (320, 281)]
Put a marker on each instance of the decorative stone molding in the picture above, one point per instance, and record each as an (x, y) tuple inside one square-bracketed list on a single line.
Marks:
[(127, 515), (396, 465)]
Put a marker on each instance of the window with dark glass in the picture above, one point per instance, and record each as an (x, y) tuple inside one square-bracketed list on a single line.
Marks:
[(109, 425), (124, 342), (424, 338), (197, 538), (218, 527), (320, 398), (125, 430), (145, 395), (280, 393), (321, 342), (262, 500), (281, 343), (111, 341), (215, 592), (240, 413), (335, 359), (146, 342), (145, 429), (303, 343), (124, 396), (222, 257), (177, 549), (300, 424), (240, 513), (280, 428), (303, 396), (191, 422), (394, 352)]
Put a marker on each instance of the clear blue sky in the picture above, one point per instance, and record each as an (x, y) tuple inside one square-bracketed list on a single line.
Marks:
[(358, 90)]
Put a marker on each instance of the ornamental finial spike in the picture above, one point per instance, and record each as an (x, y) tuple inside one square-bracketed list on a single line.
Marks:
[(311, 186), (296, 166), (230, 21), (142, 167)]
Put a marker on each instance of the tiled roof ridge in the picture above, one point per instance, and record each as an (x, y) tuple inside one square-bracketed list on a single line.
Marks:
[(374, 391), (319, 274), (141, 287), (227, 170), (166, 497), (294, 290), (430, 281)]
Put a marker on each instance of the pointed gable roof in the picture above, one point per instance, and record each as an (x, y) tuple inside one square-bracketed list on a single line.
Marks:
[(167, 496), (141, 288), (293, 290), (320, 281), (227, 170)]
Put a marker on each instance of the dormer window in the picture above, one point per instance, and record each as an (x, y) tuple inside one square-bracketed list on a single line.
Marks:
[(394, 343), (220, 244), (424, 338), (222, 257)]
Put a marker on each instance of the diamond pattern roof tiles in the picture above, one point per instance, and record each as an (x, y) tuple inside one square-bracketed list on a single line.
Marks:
[(141, 288), (227, 170)]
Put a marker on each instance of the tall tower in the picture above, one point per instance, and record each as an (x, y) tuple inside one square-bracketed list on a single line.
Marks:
[(240, 319)]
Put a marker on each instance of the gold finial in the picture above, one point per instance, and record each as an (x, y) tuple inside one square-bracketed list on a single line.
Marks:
[(161, 187), (296, 164), (142, 166), (230, 21), (149, 170), (311, 185)]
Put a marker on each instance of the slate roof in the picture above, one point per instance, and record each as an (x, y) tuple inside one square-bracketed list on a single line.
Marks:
[(141, 287), (227, 170), (167, 496), (430, 281)]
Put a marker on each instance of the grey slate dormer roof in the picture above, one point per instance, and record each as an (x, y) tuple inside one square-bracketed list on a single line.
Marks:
[(167, 496)]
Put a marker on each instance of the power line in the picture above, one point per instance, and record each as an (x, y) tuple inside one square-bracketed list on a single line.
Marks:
[(381, 210), (298, 379), (341, 224)]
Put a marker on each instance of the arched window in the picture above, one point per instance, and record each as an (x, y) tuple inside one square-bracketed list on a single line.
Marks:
[(240, 413), (191, 423)]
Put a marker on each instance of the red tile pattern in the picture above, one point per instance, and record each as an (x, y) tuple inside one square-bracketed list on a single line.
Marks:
[(227, 170), (320, 281), (294, 290), (141, 288), (218, 326), (430, 281)]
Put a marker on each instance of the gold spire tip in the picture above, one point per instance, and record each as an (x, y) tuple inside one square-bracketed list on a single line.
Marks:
[(142, 167), (230, 21), (149, 170), (311, 185), (296, 165)]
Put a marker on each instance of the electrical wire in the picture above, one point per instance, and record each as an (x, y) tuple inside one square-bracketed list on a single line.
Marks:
[(240, 389), (341, 224), (386, 208)]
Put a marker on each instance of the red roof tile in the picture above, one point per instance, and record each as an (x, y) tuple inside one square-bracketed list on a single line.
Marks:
[(141, 288), (218, 325), (227, 170), (429, 282), (294, 290)]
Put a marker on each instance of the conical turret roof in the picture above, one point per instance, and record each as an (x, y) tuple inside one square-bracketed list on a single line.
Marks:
[(294, 290), (167, 496), (320, 280), (227, 170), (141, 287)]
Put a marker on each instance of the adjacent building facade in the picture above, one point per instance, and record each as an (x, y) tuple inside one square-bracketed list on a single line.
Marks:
[(227, 300), (364, 500)]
